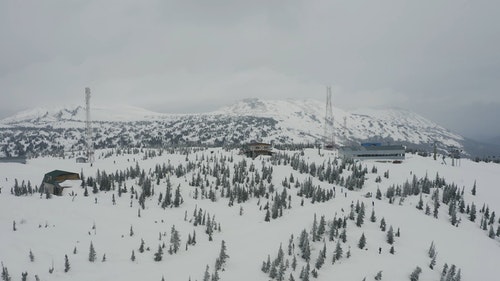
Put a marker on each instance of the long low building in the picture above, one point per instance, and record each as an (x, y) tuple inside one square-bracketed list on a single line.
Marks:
[(373, 151)]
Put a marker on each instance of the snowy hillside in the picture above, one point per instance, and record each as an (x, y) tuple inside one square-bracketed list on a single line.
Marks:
[(297, 201), (281, 121)]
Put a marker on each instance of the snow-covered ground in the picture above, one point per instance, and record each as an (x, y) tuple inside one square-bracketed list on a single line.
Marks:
[(53, 228)]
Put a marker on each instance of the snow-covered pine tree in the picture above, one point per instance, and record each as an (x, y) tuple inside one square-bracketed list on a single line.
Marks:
[(415, 274), (66, 263), (223, 256), (432, 250), (5, 273), (206, 276), (159, 254), (390, 235), (373, 218), (420, 204), (92, 253), (175, 240), (32, 257), (472, 214), (337, 254), (141, 247), (321, 227), (382, 224), (362, 241)]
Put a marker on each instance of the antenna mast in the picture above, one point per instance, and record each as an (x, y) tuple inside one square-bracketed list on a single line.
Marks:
[(88, 128), (329, 137)]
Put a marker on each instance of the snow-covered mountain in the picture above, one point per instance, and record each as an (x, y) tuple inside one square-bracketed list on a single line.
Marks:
[(278, 121)]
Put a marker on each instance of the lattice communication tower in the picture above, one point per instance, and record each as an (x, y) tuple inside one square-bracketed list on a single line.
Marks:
[(88, 128), (329, 138)]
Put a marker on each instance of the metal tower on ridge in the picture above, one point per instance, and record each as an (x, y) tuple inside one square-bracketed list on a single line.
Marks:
[(329, 138), (88, 128)]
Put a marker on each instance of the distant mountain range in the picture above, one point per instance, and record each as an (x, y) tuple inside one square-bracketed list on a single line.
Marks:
[(44, 130)]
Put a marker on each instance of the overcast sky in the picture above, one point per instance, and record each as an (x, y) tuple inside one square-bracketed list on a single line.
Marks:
[(440, 59)]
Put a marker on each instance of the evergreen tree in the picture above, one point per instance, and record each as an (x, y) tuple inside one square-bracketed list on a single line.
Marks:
[(474, 189), (337, 254), (443, 273), (294, 263), (433, 262), (141, 247), (5, 273), (321, 227), (306, 273), (436, 204), (281, 272), (320, 260), (132, 258), (420, 204), (491, 233), (382, 224), (362, 241), (215, 276), (315, 229), (427, 209), (390, 235), (343, 236), (361, 215), (223, 256), (66, 263), (391, 250), (175, 240), (206, 277), (458, 276), (92, 253), (373, 218), (415, 274), (32, 257), (131, 233), (306, 250), (159, 254), (432, 250), (472, 214)]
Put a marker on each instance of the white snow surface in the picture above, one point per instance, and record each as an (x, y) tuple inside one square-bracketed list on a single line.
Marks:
[(53, 228)]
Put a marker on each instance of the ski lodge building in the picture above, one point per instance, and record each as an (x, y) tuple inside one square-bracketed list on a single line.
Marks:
[(54, 182), (375, 151)]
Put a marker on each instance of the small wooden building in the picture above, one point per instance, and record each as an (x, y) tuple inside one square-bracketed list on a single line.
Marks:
[(52, 181), (255, 149)]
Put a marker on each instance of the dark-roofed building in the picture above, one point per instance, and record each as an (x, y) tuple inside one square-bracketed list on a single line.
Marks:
[(52, 181), (373, 151), (255, 149)]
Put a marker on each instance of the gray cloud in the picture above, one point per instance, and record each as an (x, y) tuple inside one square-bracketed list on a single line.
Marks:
[(436, 58)]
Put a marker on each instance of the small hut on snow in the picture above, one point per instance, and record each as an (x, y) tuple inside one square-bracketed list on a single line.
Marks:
[(54, 182)]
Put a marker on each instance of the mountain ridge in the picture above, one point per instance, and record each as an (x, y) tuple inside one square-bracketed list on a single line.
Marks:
[(279, 121)]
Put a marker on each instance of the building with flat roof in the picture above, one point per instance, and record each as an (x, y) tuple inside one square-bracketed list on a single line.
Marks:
[(374, 151), (255, 149)]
